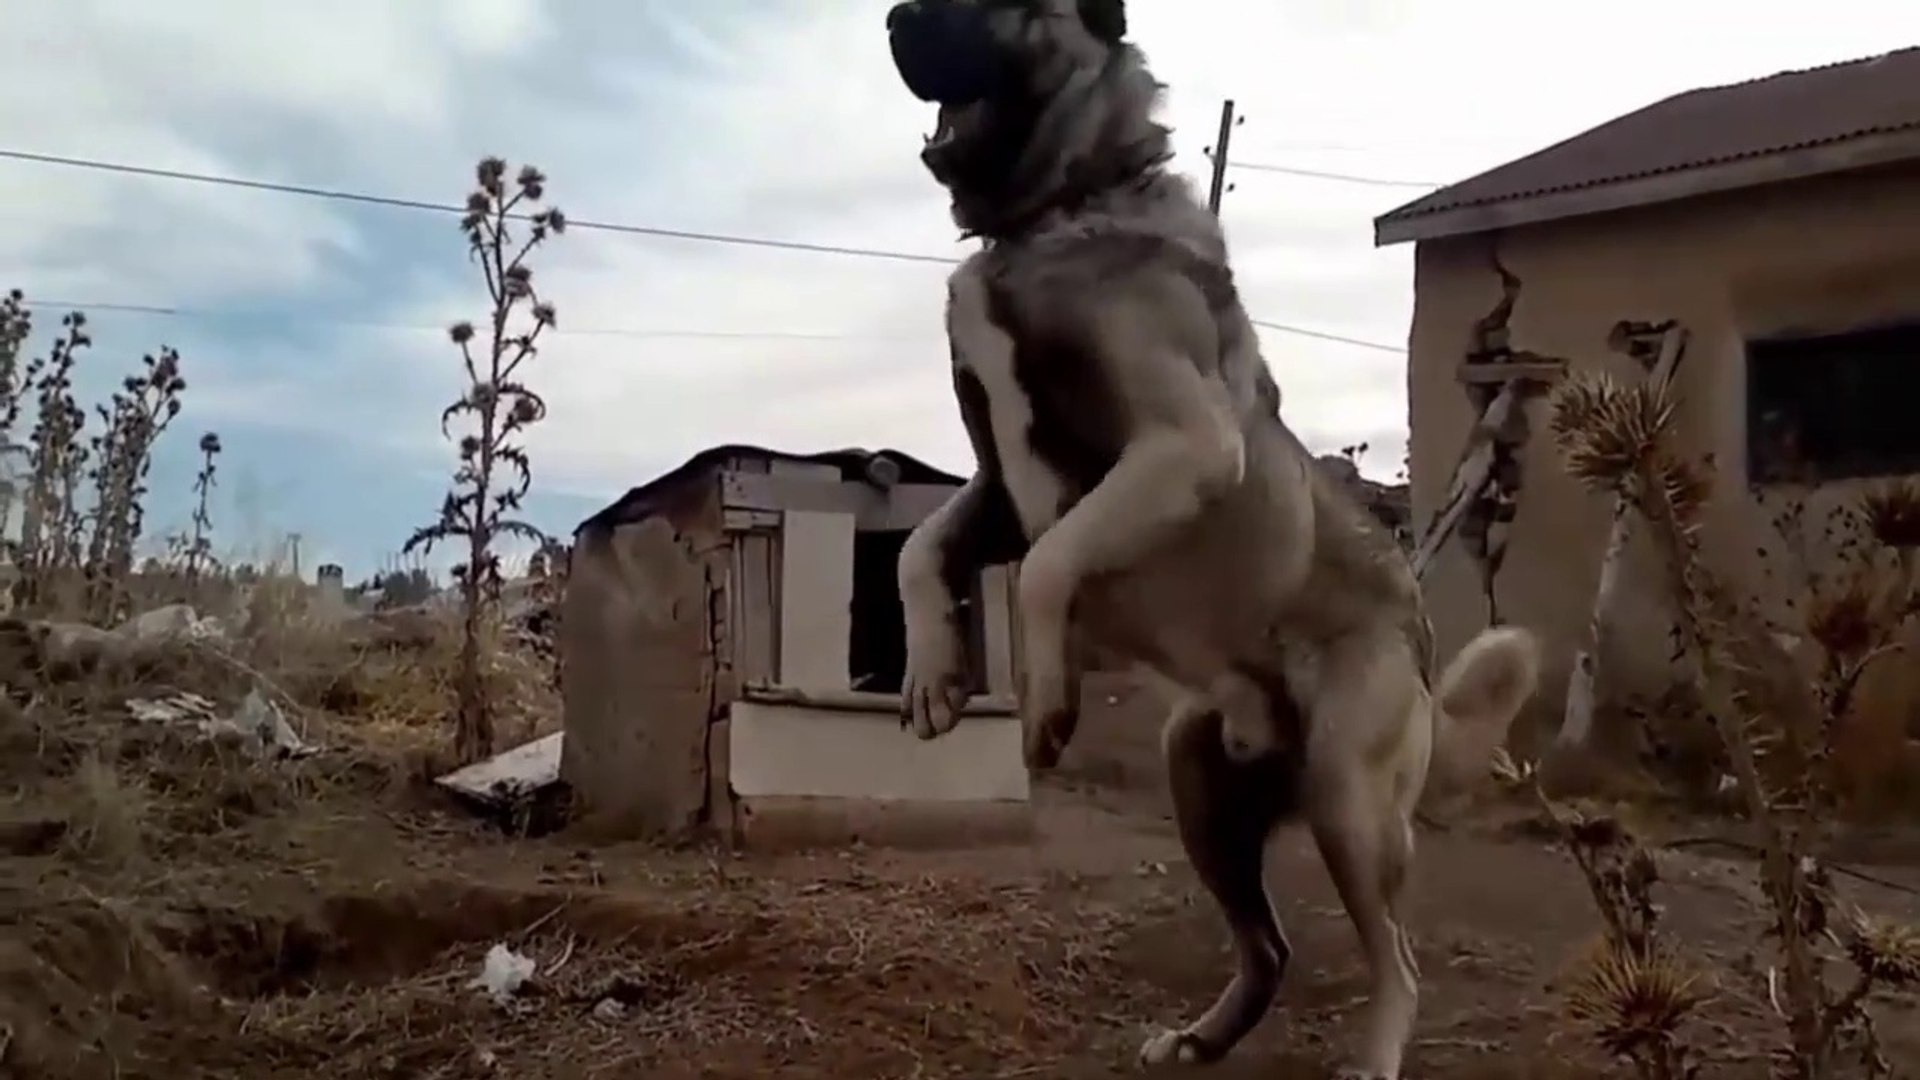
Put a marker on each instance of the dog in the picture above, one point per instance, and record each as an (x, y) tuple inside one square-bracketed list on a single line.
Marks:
[(1132, 459)]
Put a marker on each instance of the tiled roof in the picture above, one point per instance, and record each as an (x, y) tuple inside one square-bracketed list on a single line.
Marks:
[(1789, 111)]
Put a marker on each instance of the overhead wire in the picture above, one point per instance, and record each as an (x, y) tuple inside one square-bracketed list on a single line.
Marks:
[(178, 312), (421, 205), (1320, 174)]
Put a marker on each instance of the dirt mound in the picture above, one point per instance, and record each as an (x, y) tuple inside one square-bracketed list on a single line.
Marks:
[(746, 980), (82, 985)]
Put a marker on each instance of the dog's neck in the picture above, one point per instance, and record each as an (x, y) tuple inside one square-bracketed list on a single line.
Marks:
[(1095, 142), (1162, 205)]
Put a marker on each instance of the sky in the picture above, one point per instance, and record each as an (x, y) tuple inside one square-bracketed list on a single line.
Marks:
[(312, 331)]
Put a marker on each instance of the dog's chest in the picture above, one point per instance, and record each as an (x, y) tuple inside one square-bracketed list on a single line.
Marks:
[(1038, 455)]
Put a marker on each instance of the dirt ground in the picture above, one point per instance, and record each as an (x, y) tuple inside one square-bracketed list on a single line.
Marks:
[(171, 908)]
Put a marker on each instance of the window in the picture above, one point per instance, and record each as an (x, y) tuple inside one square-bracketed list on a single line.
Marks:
[(1834, 407), (877, 649)]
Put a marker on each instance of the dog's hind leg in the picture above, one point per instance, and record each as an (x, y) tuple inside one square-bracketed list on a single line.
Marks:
[(1367, 753), (1226, 810)]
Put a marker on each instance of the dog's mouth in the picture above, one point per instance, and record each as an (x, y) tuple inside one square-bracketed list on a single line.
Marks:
[(954, 127), (951, 125)]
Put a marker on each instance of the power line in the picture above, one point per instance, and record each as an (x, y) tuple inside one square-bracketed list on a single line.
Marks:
[(1317, 174), (209, 314), (1362, 343), (394, 202), (175, 312)]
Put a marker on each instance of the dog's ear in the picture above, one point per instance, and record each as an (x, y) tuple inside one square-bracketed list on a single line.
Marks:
[(1105, 19)]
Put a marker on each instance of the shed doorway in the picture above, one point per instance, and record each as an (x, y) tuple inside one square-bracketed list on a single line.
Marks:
[(877, 651)]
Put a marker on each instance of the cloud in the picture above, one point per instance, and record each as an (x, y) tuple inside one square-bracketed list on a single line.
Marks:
[(318, 341)]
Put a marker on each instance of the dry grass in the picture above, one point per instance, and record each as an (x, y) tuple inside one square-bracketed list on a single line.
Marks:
[(211, 913), (850, 977), (208, 912), (701, 975), (107, 813)]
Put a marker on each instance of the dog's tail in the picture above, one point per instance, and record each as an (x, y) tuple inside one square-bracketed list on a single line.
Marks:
[(1479, 694)]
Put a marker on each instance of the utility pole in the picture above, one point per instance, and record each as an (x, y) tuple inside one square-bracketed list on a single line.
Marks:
[(1218, 152)]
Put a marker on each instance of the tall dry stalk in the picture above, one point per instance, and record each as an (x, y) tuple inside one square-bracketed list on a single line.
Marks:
[(51, 528), (135, 417), (199, 553), (1615, 438), (503, 407)]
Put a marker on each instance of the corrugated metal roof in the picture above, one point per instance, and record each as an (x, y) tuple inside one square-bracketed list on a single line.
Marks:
[(638, 502), (1716, 125)]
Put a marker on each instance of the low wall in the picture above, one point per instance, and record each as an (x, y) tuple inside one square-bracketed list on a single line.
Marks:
[(809, 775)]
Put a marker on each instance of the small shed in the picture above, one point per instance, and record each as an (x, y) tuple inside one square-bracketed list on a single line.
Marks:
[(732, 656)]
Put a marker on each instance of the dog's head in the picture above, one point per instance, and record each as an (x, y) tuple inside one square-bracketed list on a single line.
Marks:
[(1040, 101)]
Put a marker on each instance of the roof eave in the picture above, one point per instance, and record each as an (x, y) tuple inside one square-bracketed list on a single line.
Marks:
[(1799, 164)]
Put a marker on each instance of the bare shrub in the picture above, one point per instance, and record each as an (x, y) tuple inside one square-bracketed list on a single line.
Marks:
[(494, 473), (1615, 438)]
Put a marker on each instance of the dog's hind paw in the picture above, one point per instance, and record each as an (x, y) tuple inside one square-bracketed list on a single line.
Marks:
[(1177, 1047)]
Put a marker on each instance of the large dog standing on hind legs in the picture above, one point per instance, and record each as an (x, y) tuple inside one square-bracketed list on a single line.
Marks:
[(1132, 458)]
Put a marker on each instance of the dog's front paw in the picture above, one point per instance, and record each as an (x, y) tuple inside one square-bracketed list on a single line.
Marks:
[(1175, 1047), (935, 687), (1354, 1072)]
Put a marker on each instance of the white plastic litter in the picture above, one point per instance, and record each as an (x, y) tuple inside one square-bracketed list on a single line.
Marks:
[(178, 709), (262, 723), (257, 722), (502, 974)]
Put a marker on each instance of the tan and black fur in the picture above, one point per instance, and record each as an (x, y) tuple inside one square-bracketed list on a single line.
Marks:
[(1132, 458)]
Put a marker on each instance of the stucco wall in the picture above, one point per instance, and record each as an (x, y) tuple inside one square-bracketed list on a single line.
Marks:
[(644, 638), (1811, 256)]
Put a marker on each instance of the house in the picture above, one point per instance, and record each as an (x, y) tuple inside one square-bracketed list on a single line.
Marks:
[(732, 652), (1778, 221)]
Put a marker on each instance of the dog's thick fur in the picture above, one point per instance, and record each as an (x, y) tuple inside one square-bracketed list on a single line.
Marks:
[(1132, 458)]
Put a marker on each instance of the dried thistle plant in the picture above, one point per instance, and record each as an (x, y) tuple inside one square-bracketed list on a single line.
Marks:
[(51, 525), (1632, 993), (199, 548), (135, 417), (1823, 1027), (1635, 1006), (1608, 430), (494, 473), (1853, 594)]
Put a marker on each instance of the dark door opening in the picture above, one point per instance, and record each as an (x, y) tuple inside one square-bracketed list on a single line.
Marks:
[(877, 653)]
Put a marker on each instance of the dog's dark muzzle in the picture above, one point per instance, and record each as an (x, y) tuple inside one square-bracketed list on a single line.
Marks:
[(946, 52)]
